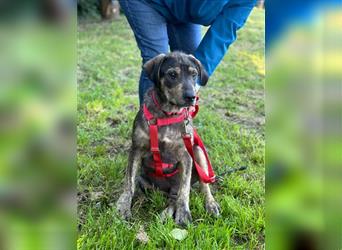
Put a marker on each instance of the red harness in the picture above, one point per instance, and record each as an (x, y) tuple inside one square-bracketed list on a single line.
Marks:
[(154, 123)]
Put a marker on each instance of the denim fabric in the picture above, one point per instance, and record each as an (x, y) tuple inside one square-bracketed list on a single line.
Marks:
[(155, 34), (225, 17)]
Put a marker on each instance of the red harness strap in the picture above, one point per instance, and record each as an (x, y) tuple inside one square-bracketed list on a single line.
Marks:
[(154, 123), (206, 178), (158, 164)]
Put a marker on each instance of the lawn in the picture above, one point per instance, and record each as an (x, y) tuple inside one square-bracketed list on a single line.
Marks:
[(231, 123)]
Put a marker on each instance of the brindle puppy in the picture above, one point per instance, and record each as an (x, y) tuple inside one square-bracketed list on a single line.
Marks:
[(174, 76)]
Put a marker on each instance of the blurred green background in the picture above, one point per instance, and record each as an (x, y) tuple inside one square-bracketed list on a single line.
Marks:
[(37, 127), (304, 134)]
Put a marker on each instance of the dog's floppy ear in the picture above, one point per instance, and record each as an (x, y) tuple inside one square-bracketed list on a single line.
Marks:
[(202, 72), (152, 67)]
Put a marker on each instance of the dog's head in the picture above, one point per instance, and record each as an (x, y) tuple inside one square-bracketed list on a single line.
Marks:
[(175, 76)]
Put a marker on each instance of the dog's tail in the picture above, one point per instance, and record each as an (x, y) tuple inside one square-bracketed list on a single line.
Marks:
[(220, 177)]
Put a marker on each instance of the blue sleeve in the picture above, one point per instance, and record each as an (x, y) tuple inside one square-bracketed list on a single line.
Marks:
[(222, 33)]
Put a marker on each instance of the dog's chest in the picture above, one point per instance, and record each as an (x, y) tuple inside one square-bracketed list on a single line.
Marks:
[(171, 137)]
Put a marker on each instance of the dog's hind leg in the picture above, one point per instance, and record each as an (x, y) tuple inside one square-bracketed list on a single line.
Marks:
[(144, 184), (210, 204), (123, 205)]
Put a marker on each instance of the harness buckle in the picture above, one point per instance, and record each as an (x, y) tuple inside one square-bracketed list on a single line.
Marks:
[(152, 122), (154, 149), (186, 135)]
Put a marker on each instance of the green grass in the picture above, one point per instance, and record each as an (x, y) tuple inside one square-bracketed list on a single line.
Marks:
[(231, 122)]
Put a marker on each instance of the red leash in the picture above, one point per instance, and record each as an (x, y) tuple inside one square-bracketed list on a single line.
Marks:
[(206, 178), (159, 165)]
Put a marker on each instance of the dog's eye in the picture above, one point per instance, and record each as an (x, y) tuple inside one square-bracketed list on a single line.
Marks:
[(172, 75)]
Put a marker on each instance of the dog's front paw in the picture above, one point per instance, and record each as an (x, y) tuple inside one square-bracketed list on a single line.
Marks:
[(183, 215), (123, 206), (212, 207)]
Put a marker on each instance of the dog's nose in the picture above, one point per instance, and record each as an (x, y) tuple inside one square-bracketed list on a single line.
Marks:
[(190, 97)]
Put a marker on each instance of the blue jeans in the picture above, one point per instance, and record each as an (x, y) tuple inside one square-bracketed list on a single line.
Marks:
[(154, 35)]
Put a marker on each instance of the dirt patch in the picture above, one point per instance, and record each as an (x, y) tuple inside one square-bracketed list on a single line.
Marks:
[(241, 239), (116, 146), (113, 122), (249, 112), (249, 122)]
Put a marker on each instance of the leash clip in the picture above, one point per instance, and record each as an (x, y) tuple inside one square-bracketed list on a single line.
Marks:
[(186, 130)]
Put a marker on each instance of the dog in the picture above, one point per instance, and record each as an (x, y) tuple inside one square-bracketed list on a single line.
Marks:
[(174, 76)]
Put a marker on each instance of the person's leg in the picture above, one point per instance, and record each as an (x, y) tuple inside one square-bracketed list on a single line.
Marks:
[(150, 31), (184, 37)]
